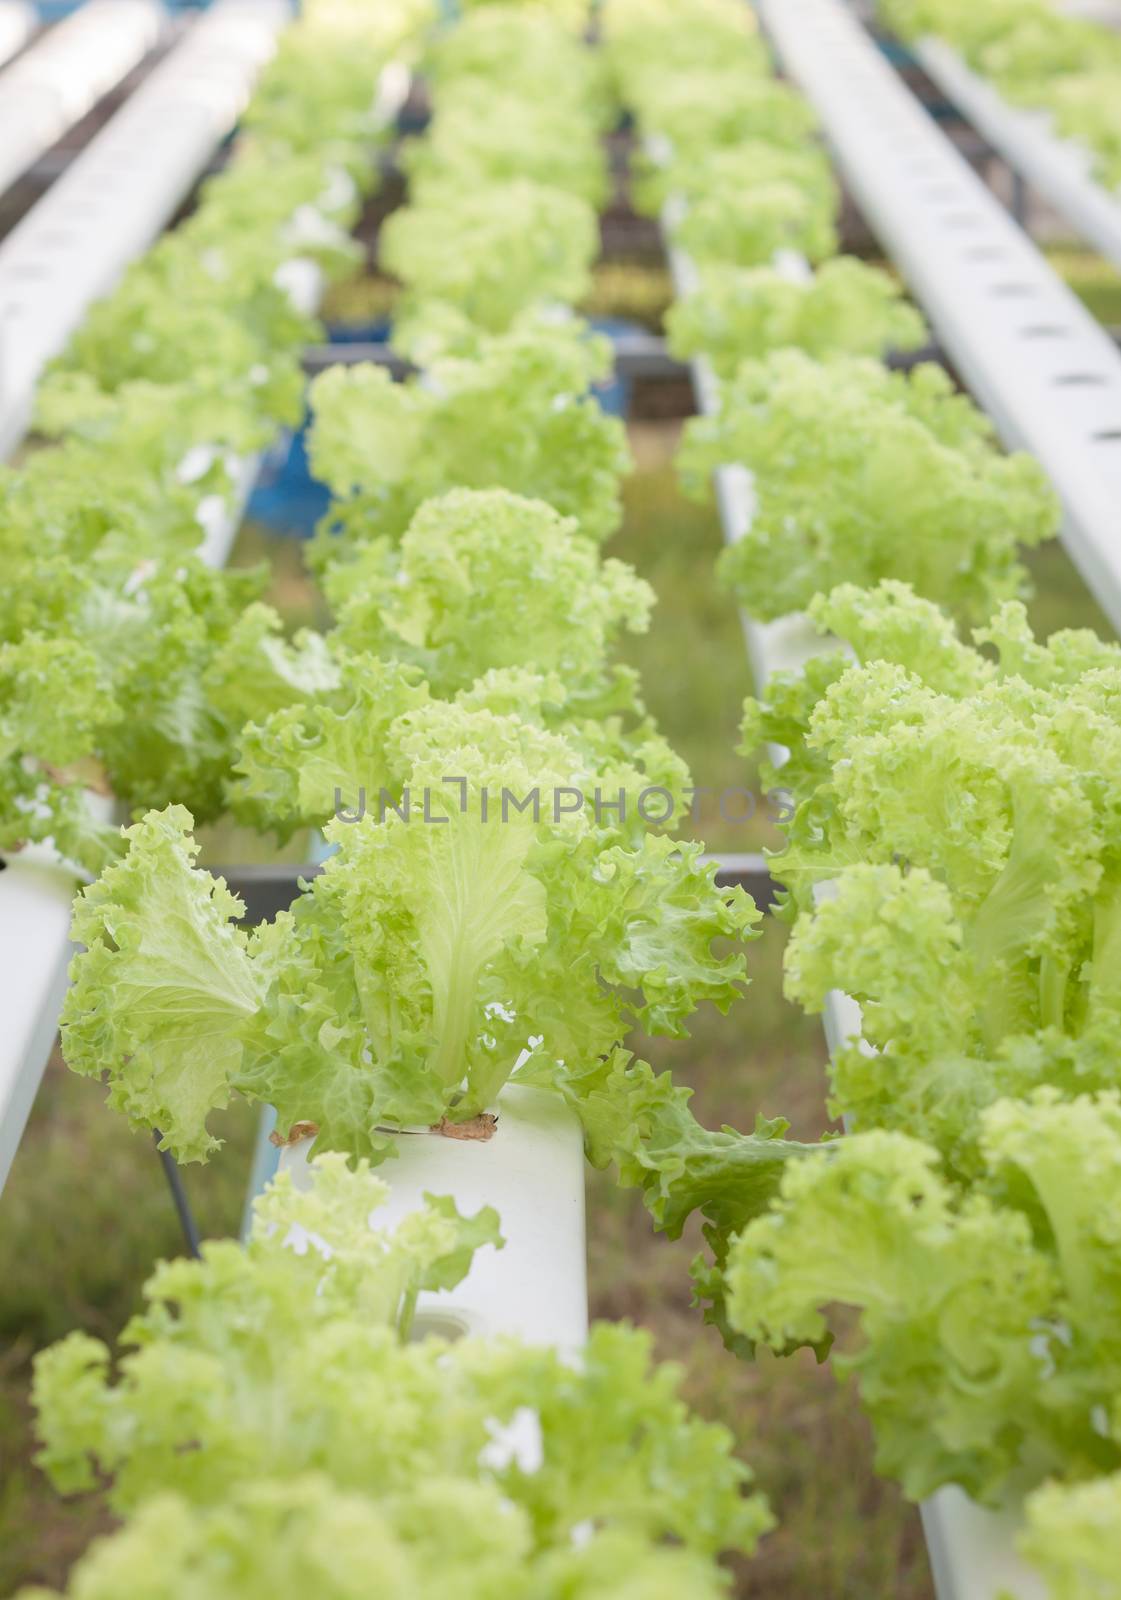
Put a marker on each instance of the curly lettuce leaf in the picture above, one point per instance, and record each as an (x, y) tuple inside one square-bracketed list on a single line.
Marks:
[(862, 474), (462, 1540), (257, 1363), (723, 225), (485, 579), (741, 314), (513, 415), (999, 1302), (493, 251), (703, 111), (948, 1295), (165, 989), (535, 48), (1073, 1537), (484, 135)]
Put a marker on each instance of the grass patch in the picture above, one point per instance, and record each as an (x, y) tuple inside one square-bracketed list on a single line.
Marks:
[(1095, 281), (693, 661), (87, 1215), (1061, 598)]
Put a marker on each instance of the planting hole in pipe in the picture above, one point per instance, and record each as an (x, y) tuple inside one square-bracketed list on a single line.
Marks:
[(437, 1325)]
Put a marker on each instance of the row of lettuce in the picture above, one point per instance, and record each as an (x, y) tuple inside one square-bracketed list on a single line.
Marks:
[(953, 863), (126, 663), (499, 904), (1038, 57)]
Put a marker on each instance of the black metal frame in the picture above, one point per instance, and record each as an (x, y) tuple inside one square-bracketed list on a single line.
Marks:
[(639, 356), (267, 890), (180, 1199)]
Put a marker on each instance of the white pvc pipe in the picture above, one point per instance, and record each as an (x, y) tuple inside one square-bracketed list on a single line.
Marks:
[(532, 1172), (36, 893), (35, 904), (118, 195), (65, 74), (972, 1551), (18, 21), (1061, 170)]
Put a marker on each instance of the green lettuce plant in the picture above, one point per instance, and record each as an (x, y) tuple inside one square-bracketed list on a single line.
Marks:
[(255, 1367), (492, 251), (461, 931), (1071, 1536), (485, 579), (486, 134), (963, 806), (516, 415), (859, 474), (742, 314), (319, 93), (532, 51), (726, 225), (701, 112), (453, 1537), (985, 1349), (655, 48), (740, 168)]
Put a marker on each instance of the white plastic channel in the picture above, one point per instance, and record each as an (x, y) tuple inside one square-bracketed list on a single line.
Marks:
[(1047, 374), (18, 21), (972, 1554), (66, 72), (119, 193), (36, 892), (35, 899), (532, 1172), (1059, 169)]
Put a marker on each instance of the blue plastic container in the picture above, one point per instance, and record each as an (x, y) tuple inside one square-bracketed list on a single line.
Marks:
[(615, 394), (289, 502)]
